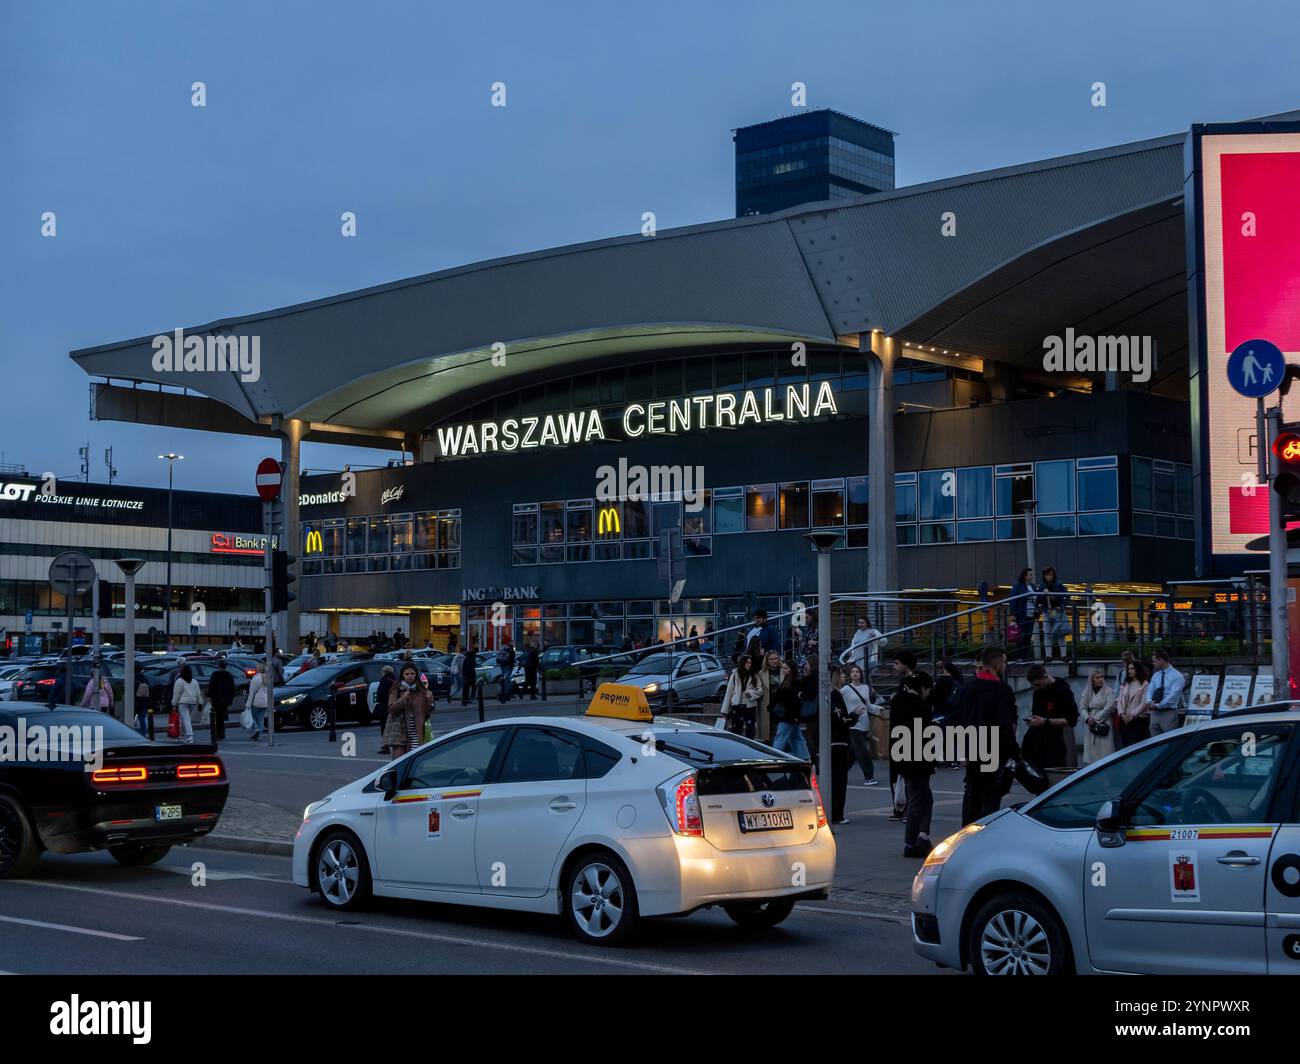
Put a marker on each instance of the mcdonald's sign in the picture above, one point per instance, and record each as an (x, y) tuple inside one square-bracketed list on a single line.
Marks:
[(608, 524), (313, 544)]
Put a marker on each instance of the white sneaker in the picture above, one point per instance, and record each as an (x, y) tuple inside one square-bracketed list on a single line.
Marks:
[(871, 783)]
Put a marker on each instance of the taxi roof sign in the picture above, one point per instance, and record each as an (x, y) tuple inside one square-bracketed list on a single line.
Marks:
[(622, 701)]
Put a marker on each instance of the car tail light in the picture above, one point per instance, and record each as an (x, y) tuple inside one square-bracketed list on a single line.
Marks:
[(203, 770), (821, 809), (250, 673), (682, 805), (120, 774), (45, 683)]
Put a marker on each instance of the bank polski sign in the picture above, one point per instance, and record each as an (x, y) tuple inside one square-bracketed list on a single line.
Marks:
[(754, 406)]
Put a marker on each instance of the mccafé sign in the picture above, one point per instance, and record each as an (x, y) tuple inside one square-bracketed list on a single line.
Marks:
[(239, 543), (664, 417)]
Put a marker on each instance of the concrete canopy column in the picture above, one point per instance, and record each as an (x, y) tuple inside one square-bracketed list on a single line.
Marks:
[(291, 433), (881, 353)]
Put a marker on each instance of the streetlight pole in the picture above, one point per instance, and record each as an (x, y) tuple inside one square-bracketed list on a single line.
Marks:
[(824, 542), (172, 458), (129, 567), (1030, 506)]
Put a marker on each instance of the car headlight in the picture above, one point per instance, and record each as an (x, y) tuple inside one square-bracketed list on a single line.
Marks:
[(944, 850), (651, 688), (306, 813), (292, 700)]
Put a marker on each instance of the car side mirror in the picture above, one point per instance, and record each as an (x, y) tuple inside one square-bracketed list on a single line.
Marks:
[(1110, 824), (388, 784)]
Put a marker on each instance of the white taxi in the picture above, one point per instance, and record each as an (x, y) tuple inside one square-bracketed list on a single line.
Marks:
[(605, 818)]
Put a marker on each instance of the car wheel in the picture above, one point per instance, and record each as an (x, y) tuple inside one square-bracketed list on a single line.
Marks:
[(600, 899), (137, 854), (759, 914), (1016, 934), (18, 849), (341, 871), (317, 718)]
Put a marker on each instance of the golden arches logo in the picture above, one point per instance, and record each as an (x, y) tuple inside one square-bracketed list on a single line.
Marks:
[(314, 543), (608, 522)]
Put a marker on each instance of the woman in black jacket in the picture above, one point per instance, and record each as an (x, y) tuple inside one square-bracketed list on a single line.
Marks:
[(909, 716)]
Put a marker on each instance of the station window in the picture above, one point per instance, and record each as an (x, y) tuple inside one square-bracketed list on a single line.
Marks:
[(760, 508), (728, 511), (1161, 495), (828, 503), (794, 504)]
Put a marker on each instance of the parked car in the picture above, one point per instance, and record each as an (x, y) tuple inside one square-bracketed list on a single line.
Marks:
[(143, 799), (1197, 832), (305, 699), (7, 676), (716, 820), (34, 683), (693, 679), (355, 698)]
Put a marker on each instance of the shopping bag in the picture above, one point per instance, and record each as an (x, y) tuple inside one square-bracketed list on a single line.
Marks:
[(174, 725), (205, 717), (900, 795), (246, 720), (880, 733)]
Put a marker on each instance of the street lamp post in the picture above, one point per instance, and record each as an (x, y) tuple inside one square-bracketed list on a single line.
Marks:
[(129, 566), (824, 542), (172, 458), (1030, 506)]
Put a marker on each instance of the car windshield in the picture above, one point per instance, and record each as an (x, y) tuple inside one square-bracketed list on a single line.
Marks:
[(654, 663)]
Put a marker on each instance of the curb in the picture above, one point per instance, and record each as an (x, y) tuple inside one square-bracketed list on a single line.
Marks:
[(246, 844)]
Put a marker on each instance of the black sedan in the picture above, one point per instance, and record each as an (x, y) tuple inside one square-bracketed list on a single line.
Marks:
[(306, 697), (92, 783)]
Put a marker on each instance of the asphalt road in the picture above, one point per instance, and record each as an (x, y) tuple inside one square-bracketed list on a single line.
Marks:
[(85, 914)]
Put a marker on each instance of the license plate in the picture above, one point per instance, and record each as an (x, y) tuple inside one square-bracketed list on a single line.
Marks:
[(167, 812), (767, 820)]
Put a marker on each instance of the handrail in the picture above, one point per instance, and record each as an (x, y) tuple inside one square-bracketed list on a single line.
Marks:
[(884, 636)]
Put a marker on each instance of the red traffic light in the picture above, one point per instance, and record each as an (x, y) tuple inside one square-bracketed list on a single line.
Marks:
[(1287, 448)]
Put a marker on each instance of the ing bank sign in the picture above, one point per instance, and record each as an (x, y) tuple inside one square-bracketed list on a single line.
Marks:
[(664, 417)]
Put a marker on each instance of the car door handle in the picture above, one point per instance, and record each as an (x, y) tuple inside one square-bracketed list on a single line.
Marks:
[(562, 805), (1238, 859), (461, 812)]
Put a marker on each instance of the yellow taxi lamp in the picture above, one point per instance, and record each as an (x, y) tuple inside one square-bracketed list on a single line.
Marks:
[(622, 701)]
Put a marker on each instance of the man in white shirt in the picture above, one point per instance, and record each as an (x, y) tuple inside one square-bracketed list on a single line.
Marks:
[(864, 651), (1164, 693)]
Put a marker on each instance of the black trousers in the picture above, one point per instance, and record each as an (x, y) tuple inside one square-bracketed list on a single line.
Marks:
[(920, 804), (840, 761), (467, 687), (983, 794), (218, 721), (530, 680)]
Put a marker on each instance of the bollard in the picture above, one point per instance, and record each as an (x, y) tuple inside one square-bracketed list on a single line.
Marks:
[(150, 711), (542, 670), (479, 689), (333, 721)]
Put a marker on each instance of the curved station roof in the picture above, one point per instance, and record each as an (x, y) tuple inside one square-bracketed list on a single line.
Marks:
[(1092, 241)]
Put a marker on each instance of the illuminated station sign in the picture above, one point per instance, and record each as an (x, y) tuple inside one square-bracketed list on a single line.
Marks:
[(664, 417)]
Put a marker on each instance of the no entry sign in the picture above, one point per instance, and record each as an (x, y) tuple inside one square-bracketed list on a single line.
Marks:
[(268, 479)]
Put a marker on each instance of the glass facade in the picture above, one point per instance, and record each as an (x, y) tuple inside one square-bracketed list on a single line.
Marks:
[(971, 504), (1162, 498), (381, 543)]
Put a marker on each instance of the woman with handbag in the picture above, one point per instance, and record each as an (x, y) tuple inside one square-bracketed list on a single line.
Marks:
[(186, 699), (255, 704), (771, 676), (1099, 718), (102, 699), (841, 758), (408, 706), (856, 695), (740, 702), (787, 704)]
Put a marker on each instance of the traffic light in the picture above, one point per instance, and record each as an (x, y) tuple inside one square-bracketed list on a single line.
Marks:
[(1287, 481), (281, 578), (105, 599)]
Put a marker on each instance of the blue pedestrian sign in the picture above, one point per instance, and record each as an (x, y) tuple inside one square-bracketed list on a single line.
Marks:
[(1255, 368)]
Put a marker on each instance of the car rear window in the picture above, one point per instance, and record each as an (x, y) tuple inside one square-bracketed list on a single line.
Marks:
[(751, 780), (704, 747)]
